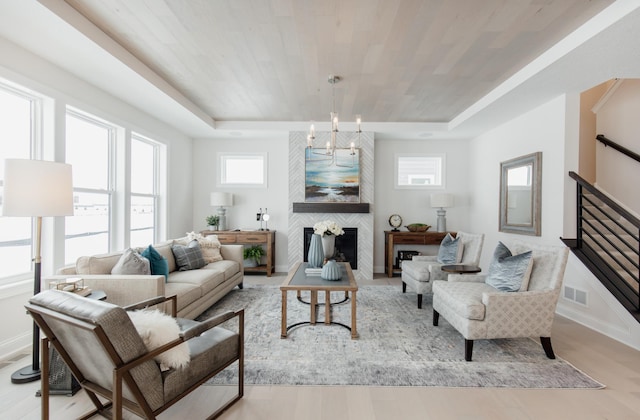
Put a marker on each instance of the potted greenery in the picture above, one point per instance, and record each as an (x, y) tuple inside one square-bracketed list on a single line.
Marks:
[(213, 221), (252, 255)]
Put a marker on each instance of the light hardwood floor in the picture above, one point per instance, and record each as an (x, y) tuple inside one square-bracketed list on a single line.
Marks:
[(608, 361)]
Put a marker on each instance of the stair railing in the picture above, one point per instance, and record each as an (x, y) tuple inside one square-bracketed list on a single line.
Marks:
[(613, 231), (630, 153)]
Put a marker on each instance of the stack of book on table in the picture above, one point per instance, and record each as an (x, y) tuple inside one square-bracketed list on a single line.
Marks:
[(312, 271)]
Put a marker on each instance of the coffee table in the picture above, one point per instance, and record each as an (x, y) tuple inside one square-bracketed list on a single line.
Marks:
[(299, 281)]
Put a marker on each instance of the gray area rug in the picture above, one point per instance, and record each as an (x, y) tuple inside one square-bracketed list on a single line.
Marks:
[(398, 346)]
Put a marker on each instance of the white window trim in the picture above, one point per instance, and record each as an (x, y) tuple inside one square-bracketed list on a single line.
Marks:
[(221, 156), (443, 170), (36, 147)]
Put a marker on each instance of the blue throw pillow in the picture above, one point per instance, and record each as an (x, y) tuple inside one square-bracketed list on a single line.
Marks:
[(159, 264), (508, 272), (450, 251)]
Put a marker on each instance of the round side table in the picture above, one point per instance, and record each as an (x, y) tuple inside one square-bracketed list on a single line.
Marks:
[(461, 268)]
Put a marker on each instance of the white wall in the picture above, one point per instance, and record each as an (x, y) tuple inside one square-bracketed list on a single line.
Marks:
[(618, 120), (246, 201), (30, 71), (413, 204), (540, 130), (553, 129)]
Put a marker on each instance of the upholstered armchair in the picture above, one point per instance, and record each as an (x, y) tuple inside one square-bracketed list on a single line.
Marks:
[(481, 311), (421, 271), (108, 357)]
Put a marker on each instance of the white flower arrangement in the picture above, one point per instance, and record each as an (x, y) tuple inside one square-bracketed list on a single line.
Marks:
[(327, 227)]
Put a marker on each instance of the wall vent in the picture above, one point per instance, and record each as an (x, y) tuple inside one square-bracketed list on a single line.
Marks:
[(575, 295)]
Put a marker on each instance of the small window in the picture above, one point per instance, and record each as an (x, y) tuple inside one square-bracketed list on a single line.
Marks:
[(242, 169), (420, 171)]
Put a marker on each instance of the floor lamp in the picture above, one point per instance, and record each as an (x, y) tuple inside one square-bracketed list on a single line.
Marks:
[(36, 188)]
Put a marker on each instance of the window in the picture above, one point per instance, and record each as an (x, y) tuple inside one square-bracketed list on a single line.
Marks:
[(20, 116), (242, 169), (420, 171), (144, 187), (89, 149)]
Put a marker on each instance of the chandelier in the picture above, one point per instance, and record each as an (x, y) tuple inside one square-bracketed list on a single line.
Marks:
[(330, 152)]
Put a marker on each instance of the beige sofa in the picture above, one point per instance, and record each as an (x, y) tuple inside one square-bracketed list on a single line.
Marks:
[(196, 290)]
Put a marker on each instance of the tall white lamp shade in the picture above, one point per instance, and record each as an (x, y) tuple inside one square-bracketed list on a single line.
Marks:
[(222, 200), (441, 201), (36, 188)]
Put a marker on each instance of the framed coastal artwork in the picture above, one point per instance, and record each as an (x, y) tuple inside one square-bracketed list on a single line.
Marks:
[(332, 178)]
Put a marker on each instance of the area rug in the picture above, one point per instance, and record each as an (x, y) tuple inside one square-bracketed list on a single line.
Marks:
[(398, 346)]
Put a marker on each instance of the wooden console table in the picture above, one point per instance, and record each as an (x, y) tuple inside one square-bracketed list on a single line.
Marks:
[(392, 238), (263, 237)]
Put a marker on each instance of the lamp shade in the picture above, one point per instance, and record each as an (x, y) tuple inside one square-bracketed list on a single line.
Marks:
[(222, 199), (442, 200), (36, 188)]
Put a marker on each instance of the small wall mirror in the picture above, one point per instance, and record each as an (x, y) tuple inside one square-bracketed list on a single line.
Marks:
[(520, 194)]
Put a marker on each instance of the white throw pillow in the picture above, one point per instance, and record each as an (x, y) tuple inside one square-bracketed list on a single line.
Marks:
[(131, 263), (156, 329), (210, 247)]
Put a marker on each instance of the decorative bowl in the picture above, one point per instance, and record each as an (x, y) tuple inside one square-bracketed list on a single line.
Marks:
[(418, 227)]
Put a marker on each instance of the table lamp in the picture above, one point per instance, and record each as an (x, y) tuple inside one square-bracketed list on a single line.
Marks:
[(442, 201), (222, 200), (36, 188)]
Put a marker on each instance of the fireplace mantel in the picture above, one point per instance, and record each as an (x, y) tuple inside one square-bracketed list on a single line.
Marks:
[(331, 207)]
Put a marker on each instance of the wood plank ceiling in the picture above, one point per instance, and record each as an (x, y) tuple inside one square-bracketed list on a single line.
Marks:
[(400, 60)]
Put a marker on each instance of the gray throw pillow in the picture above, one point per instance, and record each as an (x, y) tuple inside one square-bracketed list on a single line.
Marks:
[(188, 257), (450, 251), (507, 272), (131, 263)]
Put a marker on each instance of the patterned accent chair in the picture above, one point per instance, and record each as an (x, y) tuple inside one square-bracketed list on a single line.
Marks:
[(422, 270), (107, 356), (479, 311)]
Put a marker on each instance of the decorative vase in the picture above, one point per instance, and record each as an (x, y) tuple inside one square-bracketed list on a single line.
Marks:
[(250, 262), (329, 246), (331, 271), (316, 254)]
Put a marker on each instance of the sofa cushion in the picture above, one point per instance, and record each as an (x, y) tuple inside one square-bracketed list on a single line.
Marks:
[(450, 251), (186, 293), (417, 270), (206, 279), (164, 249), (507, 272), (229, 267), (132, 263), (158, 263), (188, 257), (97, 264), (464, 298)]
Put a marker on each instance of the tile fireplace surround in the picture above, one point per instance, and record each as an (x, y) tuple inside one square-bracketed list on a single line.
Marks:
[(362, 221)]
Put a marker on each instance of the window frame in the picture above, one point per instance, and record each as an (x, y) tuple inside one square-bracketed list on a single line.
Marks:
[(110, 192), (441, 186), (223, 157), (36, 147), (155, 195)]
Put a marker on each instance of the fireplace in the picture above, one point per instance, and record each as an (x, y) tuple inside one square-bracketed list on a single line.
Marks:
[(346, 246)]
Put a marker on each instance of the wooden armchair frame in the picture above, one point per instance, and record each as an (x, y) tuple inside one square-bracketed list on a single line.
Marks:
[(122, 371)]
